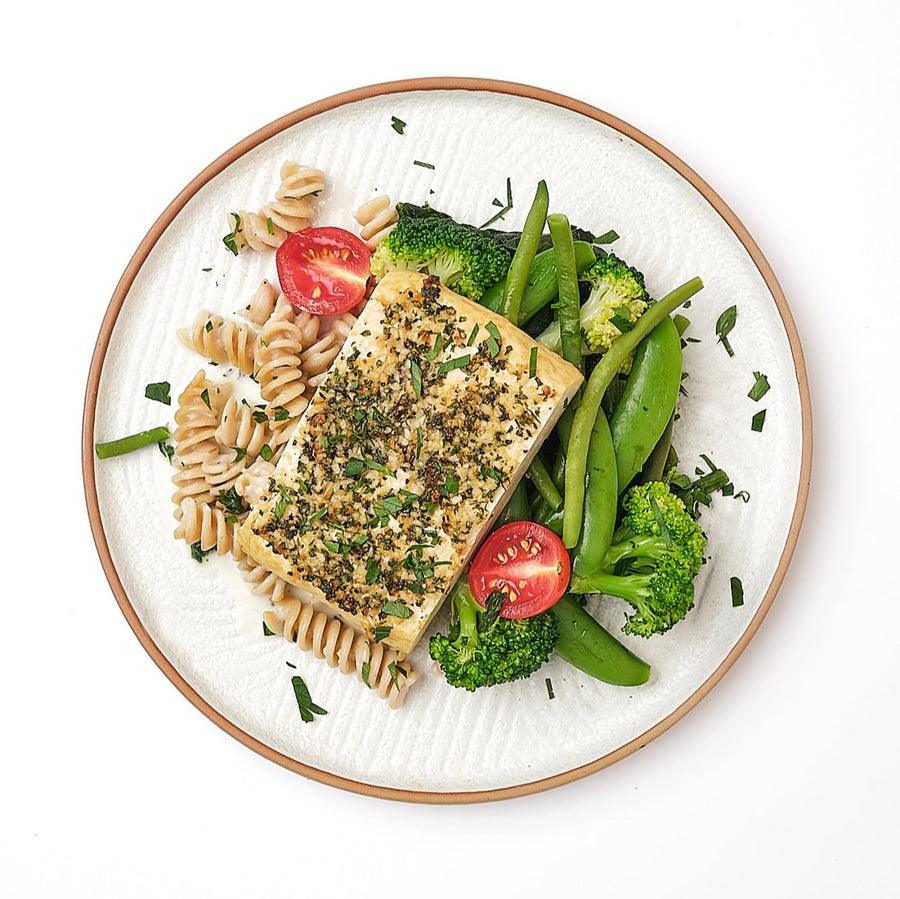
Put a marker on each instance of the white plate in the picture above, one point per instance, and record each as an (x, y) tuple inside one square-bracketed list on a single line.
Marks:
[(201, 624)]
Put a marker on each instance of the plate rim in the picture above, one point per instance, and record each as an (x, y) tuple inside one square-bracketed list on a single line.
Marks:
[(249, 143)]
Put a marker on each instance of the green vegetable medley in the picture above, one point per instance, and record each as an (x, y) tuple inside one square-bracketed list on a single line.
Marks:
[(606, 482)]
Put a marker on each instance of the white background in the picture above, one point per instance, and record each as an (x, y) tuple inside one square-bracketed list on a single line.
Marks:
[(782, 781)]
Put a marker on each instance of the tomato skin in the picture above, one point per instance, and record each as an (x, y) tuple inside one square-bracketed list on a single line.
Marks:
[(528, 562), (324, 271)]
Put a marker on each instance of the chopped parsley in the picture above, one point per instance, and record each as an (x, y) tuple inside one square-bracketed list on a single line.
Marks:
[(724, 326), (308, 709), (160, 392)]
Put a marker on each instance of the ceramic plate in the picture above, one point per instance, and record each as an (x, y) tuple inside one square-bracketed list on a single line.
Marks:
[(462, 140)]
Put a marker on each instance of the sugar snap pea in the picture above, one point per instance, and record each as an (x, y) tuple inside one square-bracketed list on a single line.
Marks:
[(647, 403), (586, 644), (592, 396), (601, 500)]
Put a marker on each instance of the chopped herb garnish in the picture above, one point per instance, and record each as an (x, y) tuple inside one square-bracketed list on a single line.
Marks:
[(532, 363), (431, 355), (160, 392), (760, 387), (354, 468), (397, 124), (204, 395), (758, 420), (473, 335), (622, 322), (398, 610), (492, 605), (737, 592), (504, 208), (372, 572), (267, 631), (230, 240), (166, 449), (280, 508), (308, 709), (549, 684), (724, 325), (416, 374), (266, 452), (424, 165), (382, 632), (270, 225), (198, 554), (450, 364), (364, 673)]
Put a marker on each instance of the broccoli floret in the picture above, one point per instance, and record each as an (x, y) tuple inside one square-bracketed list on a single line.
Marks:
[(656, 553), (480, 652), (463, 257), (617, 299)]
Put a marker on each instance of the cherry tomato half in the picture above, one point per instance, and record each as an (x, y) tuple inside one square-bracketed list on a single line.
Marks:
[(526, 561), (323, 270)]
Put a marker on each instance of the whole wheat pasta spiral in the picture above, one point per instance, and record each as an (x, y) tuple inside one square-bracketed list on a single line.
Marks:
[(282, 381), (317, 358), (254, 480), (241, 427), (292, 210), (222, 341), (262, 303), (196, 421), (207, 525), (377, 218), (328, 638)]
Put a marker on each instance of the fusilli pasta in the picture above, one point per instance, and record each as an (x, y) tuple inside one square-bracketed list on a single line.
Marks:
[(377, 219), (292, 210), (382, 669)]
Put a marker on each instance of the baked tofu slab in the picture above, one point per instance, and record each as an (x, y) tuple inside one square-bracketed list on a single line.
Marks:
[(405, 456)]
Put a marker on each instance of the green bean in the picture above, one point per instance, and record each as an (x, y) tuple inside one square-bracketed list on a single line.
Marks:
[(543, 483), (541, 287), (131, 443), (568, 305), (648, 401), (592, 395), (519, 268), (586, 644), (601, 500)]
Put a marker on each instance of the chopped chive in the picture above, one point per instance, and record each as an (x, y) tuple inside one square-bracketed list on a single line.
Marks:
[(758, 420), (532, 363), (372, 572), (431, 355), (473, 335), (160, 392), (760, 387), (308, 709), (364, 673), (737, 592), (724, 325), (382, 632), (492, 329), (503, 208), (549, 685), (424, 165), (267, 631), (450, 364), (204, 395), (397, 124)]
